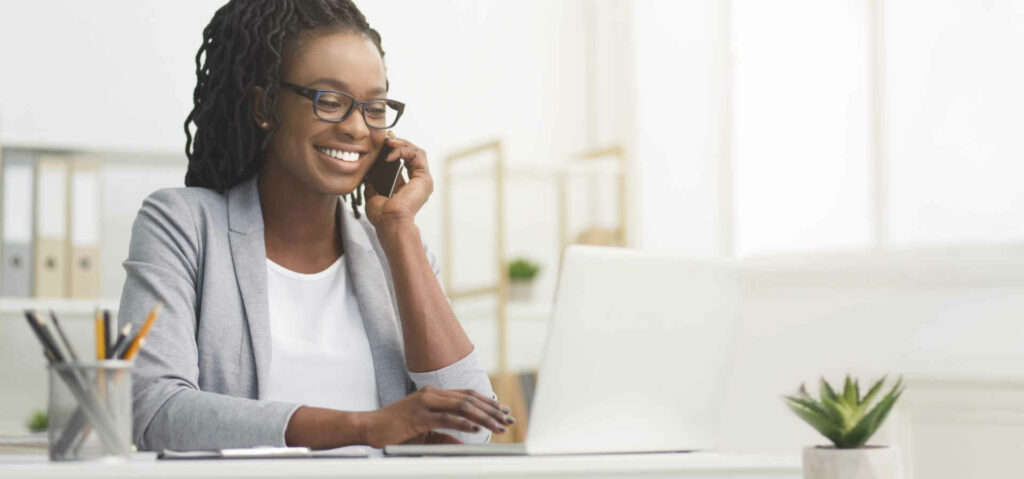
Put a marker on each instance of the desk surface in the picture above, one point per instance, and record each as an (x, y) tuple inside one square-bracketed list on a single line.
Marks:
[(684, 465)]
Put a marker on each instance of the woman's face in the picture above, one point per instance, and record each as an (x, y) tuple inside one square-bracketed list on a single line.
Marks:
[(346, 62)]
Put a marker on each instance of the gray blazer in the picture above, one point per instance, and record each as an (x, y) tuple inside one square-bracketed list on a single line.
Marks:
[(200, 376)]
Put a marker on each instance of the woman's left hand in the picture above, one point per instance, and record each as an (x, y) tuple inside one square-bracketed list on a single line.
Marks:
[(409, 197)]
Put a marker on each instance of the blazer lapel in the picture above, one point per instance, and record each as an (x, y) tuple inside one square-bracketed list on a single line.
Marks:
[(248, 252), (365, 270)]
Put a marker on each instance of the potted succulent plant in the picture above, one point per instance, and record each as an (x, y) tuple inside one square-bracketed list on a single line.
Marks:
[(38, 421), (848, 420), (521, 273)]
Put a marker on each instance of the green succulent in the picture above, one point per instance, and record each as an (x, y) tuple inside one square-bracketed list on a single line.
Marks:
[(847, 419), (38, 422), (521, 269)]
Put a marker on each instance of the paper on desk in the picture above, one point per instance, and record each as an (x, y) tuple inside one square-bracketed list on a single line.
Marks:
[(269, 453)]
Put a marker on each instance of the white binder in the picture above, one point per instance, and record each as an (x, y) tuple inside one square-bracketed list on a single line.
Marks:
[(51, 247), (16, 275), (84, 228)]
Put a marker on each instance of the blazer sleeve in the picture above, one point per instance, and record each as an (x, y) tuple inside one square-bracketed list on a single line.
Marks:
[(169, 410), (466, 373)]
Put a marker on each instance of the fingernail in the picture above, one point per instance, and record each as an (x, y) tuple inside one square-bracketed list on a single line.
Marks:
[(505, 409), (476, 428), (502, 429), (510, 419)]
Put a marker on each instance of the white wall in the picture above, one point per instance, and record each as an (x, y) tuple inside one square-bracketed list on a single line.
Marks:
[(100, 74)]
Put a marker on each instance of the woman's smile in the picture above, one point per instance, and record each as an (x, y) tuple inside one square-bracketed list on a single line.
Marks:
[(344, 159)]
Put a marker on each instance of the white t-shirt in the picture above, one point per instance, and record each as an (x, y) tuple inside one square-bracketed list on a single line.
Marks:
[(320, 354)]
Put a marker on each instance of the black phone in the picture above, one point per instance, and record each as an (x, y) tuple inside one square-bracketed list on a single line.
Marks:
[(384, 175)]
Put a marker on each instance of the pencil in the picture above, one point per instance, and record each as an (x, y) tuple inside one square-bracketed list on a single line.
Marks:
[(133, 348), (101, 349)]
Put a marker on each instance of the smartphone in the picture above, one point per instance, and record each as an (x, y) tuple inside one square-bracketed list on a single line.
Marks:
[(383, 176)]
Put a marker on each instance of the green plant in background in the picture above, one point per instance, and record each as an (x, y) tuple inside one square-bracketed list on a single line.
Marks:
[(38, 422), (522, 269), (846, 419)]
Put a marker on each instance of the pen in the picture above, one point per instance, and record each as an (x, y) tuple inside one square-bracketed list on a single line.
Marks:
[(107, 350), (63, 337), (122, 341), (47, 351), (44, 333)]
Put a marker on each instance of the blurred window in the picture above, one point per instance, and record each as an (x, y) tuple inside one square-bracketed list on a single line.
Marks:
[(954, 76), (953, 116), (801, 125)]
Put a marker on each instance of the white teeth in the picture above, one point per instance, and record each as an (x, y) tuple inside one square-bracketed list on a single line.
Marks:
[(349, 156)]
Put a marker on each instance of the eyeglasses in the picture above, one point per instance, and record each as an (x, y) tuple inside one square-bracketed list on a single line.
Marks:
[(336, 106)]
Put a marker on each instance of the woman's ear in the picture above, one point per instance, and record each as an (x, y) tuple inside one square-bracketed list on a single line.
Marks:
[(259, 116)]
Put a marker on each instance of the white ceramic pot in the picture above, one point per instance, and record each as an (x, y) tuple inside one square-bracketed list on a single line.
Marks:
[(870, 462), (520, 291)]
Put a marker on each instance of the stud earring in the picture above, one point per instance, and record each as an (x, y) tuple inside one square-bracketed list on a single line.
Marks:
[(265, 125)]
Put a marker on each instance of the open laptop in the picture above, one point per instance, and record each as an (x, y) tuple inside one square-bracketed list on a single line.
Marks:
[(637, 357)]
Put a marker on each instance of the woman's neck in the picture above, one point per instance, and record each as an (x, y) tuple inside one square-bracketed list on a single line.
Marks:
[(300, 228)]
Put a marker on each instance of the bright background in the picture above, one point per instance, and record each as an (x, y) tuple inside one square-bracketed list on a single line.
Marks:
[(862, 158)]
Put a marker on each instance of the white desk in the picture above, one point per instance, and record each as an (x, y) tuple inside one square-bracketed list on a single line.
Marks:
[(687, 466)]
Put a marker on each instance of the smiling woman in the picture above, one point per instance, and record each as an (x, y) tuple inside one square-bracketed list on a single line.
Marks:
[(289, 319)]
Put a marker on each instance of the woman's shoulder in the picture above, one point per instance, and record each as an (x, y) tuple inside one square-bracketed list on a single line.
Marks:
[(193, 197), (184, 205)]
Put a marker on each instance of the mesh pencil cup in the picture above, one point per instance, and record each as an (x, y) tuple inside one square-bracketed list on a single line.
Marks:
[(90, 410)]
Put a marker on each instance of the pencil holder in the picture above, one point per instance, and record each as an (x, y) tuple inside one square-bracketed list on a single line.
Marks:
[(90, 410)]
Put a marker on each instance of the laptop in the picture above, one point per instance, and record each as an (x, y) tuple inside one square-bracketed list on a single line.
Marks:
[(637, 357)]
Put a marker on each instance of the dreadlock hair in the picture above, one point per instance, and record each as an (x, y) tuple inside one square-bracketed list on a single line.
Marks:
[(246, 44)]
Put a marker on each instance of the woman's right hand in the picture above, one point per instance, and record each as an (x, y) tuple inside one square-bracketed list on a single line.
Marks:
[(432, 408)]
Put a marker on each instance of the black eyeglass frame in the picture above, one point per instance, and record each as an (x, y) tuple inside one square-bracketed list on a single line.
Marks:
[(313, 94)]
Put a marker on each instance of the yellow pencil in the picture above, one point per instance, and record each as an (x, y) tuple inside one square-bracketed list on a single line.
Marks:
[(101, 348), (101, 353), (133, 347)]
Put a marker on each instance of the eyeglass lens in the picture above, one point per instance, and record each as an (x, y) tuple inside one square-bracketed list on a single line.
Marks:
[(334, 106)]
